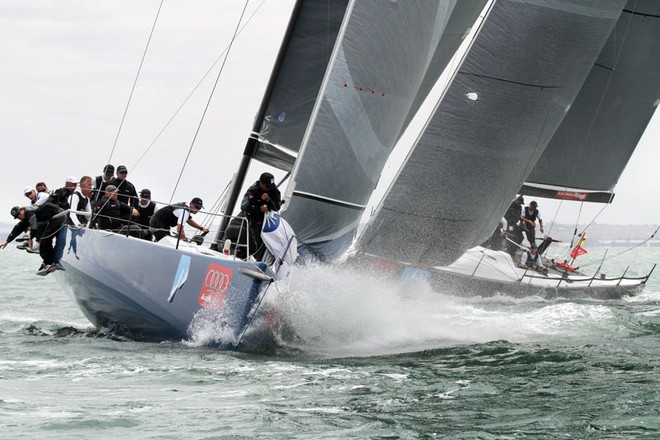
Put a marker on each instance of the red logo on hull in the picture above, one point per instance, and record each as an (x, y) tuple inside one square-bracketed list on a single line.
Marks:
[(214, 288)]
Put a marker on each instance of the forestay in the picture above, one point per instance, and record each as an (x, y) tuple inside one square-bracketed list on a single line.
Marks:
[(387, 57), (519, 78), (593, 144)]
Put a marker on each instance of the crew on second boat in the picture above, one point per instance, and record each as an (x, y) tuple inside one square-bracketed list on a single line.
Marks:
[(531, 259), (528, 221)]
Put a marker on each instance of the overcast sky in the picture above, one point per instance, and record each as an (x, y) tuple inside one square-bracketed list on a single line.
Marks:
[(66, 72)]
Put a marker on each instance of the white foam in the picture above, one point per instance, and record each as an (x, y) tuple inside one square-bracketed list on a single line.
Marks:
[(343, 312), (340, 311)]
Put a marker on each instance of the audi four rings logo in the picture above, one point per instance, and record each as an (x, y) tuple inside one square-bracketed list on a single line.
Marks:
[(214, 287), (216, 281)]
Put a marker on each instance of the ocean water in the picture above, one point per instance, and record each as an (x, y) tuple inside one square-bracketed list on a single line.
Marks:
[(370, 360)]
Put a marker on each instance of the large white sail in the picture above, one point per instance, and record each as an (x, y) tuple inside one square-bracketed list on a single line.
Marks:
[(514, 88), (388, 55), (593, 144)]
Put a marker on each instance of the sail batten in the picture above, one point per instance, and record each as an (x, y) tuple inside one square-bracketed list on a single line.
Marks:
[(489, 131), (328, 200), (387, 57), (593, 144), (298, 81), (520, 83)]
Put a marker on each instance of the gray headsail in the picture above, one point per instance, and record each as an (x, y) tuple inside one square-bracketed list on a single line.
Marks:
[(298, 81), (593, 144), (518, 80), (387, 55), (291, 92)]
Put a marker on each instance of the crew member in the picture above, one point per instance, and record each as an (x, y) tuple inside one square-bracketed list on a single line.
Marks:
[(176, 215), (531, 259), (125, 190), (111, 213), (512, 216), (80, 201), (528, 221), (55, 229), (100, 182), (260, 198), (145, 208), (61, 196)]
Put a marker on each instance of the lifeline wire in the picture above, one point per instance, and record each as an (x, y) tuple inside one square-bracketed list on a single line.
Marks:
[(630, 248)]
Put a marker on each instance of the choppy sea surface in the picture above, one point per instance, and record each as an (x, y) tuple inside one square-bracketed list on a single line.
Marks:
[(372, 360)]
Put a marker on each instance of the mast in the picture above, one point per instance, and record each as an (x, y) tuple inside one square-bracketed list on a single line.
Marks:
[(251, 145)]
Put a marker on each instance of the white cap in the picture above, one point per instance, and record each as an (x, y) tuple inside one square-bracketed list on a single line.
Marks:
[(71, 179), (28, 189)]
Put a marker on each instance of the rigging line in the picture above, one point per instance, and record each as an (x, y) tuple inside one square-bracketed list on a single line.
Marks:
[(493, 266), (130, 96), (199, 83), (584, 230), (256, 310), (575, 229), (213, 212), (638, 244), (208, 102), (555, 217), (595, 218)]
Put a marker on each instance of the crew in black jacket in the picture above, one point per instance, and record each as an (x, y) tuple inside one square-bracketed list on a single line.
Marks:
[(111, 213), (260, 198), (145, 208), (100, 182), (61, 196), (28, 218), (176, 215), (125, 190)]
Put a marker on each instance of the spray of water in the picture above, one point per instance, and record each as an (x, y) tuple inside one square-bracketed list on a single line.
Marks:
[(347, 312), (342, 311)]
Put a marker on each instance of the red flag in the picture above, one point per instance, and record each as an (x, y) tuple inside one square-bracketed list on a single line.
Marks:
[(577, 251)]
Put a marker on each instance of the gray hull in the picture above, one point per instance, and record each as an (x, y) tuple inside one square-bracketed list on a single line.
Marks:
[(153, 291), (484, 272), (466, 285)]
